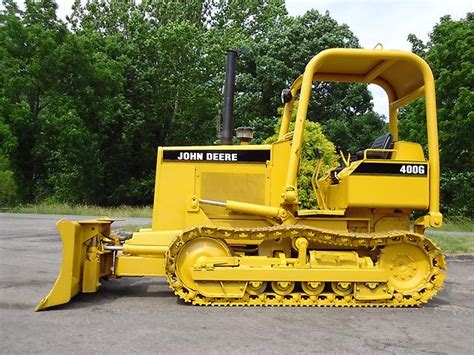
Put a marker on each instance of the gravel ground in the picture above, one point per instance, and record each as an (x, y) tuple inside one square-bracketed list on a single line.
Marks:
[(142, 315)]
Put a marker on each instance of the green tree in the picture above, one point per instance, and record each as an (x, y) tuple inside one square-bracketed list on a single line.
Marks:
[(8, 187), (87, 102), (449, 52), (28, 58), (168, 92), (281, 57), (355, 133)]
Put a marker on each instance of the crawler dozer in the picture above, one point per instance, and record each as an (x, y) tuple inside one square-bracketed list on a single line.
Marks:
[(228, 229)]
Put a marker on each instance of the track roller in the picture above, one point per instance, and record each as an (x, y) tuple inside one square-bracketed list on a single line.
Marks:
[(256, 288), (312, 288), (283, 288), (342, 288)]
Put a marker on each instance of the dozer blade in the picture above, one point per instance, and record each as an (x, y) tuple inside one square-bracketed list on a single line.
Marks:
[(83, 261)]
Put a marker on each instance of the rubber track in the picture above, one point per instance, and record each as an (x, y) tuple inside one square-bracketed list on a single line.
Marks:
[(325, 237)]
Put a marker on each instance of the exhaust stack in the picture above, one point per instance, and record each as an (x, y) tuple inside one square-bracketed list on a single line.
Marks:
[(229, 88)]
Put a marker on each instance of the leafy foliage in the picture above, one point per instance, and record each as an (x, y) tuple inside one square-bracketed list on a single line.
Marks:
[(449, 52), (282, 56), (313, 141), (356, 133), (8, 188), (458, 190), (85, 102)]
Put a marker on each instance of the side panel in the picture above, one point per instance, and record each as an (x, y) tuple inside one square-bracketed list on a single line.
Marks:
[(379, 185), (401, 182), (387, 191), (174, 181), (220, 183), (219, 173)]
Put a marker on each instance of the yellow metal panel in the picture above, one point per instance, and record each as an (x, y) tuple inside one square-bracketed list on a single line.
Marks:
[(219, 186), (90, 277), (178, 181), (380, 191), (408, 151), (280, 158), (156, 238), (337, 195), (140, 266)]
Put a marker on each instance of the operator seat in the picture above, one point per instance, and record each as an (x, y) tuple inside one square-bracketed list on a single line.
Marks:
[(385, 141)]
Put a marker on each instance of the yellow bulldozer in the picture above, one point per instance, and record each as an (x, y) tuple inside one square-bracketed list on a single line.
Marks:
[(228, 229)]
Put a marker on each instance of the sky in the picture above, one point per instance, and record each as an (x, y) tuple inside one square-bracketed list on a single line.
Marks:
[(373, 21), (387, 22)]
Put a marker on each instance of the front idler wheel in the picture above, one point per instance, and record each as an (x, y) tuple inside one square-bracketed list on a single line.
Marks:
[(192, 252)]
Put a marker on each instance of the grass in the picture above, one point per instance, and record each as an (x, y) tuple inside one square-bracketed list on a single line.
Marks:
[(447, 243), (458, 225), (83, 210), (453, 244), (134, 227)]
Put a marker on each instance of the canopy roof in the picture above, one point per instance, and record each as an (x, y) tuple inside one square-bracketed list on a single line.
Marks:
[(399, 73)]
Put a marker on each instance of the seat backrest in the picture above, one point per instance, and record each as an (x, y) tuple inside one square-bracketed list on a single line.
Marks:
[(385, 141)]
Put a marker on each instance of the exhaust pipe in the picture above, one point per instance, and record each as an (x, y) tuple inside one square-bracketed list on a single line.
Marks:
[(229, 88)]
